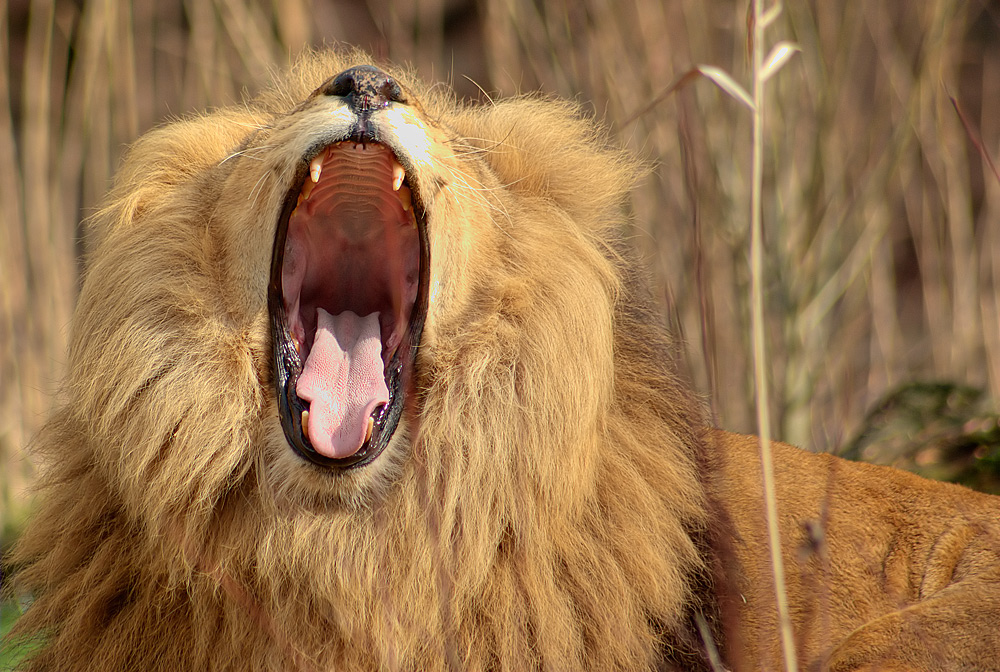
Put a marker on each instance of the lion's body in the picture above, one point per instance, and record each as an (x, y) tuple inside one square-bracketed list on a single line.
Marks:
[(883, 568), (551, 499)]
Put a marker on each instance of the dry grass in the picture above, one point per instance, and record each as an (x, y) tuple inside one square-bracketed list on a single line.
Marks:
[(882, 249)]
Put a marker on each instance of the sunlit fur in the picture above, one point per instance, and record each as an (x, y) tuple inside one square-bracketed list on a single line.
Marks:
[(540, 506)]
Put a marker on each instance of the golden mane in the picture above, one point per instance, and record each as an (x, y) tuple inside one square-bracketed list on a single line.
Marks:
[(542, 507)]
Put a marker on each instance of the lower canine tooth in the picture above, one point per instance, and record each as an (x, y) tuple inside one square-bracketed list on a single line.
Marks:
[(305, 424), (368, 431)]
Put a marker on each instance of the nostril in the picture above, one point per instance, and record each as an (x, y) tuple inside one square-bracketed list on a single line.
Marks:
[(342, 85), (391, 91), (365, 87)]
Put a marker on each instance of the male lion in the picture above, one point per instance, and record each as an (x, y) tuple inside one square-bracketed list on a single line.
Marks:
[(362, 378)]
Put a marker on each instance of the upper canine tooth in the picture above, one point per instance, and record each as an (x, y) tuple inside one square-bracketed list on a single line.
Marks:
[(307, 189), (397, 175), (316, 168), (405, 197)]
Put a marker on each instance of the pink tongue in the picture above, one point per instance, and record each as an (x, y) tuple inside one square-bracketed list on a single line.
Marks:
[(343, 381)]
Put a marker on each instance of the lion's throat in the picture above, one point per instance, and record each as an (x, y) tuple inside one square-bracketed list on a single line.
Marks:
[(343, 381)]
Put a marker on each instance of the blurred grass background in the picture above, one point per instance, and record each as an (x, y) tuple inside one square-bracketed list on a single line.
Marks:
[(882, 215)]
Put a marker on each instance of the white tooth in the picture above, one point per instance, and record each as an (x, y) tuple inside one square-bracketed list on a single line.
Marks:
[(315, 168), (405, 197), (397, 175), (307, 189), (305, 423), (368, 431)]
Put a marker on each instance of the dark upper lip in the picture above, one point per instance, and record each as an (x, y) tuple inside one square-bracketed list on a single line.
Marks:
[(288, 363)]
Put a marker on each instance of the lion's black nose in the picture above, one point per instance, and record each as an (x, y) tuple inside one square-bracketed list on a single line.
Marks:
[(365, 87)]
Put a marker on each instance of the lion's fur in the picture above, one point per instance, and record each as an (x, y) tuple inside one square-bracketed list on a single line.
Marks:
[(518, 531), (551, 497), (884, 570)]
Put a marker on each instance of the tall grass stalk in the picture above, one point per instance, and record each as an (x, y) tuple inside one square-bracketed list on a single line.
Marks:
[(760, 368)]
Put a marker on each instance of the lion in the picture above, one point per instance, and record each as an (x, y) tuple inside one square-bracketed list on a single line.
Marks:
[(365, 378)]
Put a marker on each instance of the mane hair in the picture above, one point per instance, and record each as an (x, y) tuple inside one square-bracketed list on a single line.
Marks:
[(546, 510)]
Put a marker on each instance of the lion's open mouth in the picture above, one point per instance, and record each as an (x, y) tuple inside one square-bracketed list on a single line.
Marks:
[(347, 302)]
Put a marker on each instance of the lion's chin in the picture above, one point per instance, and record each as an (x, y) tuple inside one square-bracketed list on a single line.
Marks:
[(294, 483)]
